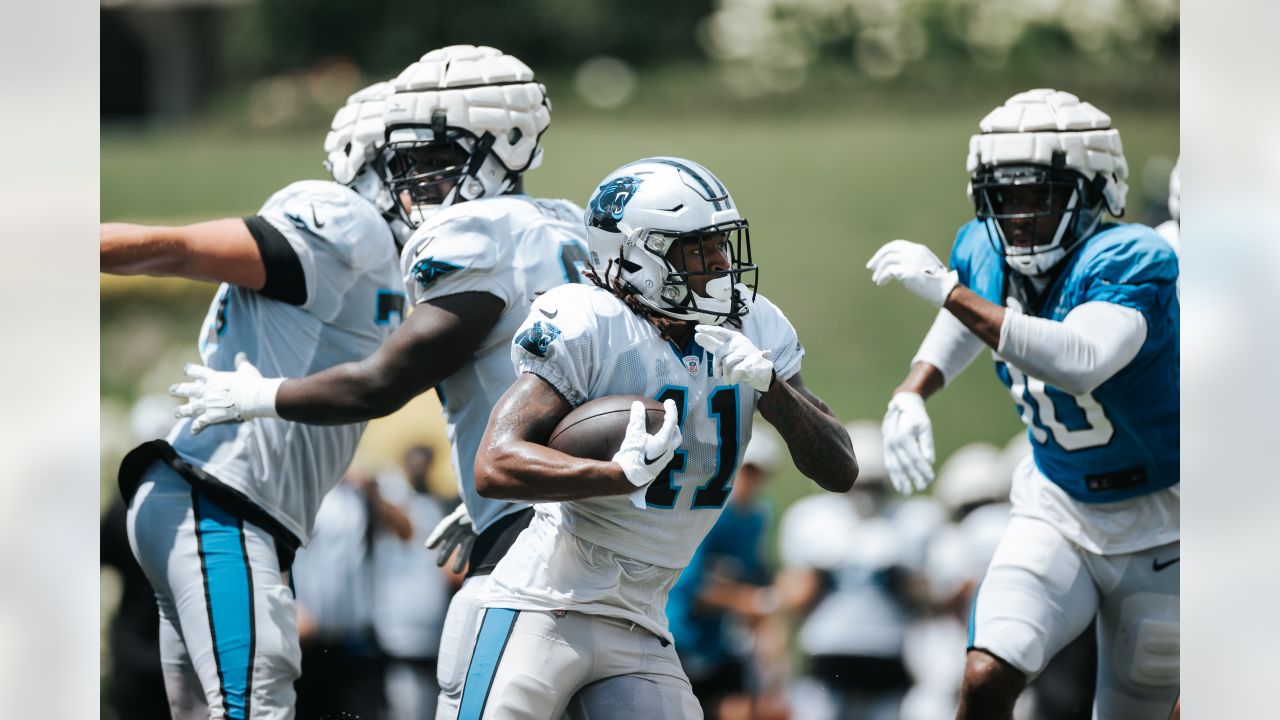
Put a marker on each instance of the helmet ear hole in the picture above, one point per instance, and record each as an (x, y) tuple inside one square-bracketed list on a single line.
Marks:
[(514, 136)]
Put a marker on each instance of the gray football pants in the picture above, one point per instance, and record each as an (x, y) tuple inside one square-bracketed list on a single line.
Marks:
[(540, 665)]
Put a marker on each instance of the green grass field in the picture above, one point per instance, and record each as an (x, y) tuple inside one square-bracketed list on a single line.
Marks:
[(822, 190)]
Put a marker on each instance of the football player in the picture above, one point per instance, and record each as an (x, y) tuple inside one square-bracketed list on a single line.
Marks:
[(575, 610), (463, 126), (308, 282), (1082, 316)]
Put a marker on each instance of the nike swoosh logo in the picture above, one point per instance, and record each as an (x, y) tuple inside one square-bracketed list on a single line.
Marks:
[(1157, 566), (647, 461), (315, 219), (550, 315)]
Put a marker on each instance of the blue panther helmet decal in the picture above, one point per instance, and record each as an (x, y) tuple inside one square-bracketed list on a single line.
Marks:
[(538, 338), (605, 209), (428, 270)]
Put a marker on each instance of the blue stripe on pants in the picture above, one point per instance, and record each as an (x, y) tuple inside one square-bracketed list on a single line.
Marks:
[(973, 612), (490, 642), (228, 589)]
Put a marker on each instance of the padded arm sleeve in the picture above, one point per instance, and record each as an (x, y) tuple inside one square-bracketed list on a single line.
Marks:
[(949, 346), (1093, 342)]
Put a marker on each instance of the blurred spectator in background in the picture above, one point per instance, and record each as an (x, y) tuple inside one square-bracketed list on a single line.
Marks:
[(333, 581), (856, 561), (411, 593), (723, 599), (973, 488), (135, 689)]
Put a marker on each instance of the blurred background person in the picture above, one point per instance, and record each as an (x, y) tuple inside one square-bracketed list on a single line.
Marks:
[(334, 585), (720, 607), (411, 593), (854, 563), (973, 489)]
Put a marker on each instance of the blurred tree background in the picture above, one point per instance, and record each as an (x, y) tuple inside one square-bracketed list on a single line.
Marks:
[(837, 124)]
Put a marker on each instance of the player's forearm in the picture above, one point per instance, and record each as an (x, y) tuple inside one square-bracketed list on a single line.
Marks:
[(982, 317), (529, 472), (426, 349), (924, 379), (819, 444), (217, 251), (128, 249), (346, 393)]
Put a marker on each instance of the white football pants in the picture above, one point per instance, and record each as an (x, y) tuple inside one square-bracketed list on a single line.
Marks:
[(228, 627), (1041, 591)]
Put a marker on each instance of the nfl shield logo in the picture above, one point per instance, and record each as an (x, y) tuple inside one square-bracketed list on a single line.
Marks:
[(691, 363)]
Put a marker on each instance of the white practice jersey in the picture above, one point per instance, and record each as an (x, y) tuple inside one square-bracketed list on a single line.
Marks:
[(342, 299), (513, 247), (588, 344)]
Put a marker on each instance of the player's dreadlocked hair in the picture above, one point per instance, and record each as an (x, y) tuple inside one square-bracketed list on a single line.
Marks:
[(613, 282)]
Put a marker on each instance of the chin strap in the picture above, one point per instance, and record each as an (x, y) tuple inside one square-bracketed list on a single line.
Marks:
[(471, 187)]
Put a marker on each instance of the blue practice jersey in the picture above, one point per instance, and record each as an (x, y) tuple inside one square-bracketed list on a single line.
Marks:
[(1121, 440)]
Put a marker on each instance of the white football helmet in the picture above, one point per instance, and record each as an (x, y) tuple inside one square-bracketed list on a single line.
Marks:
[(973, 475), (1045, 155), (763, 451), (868, 445), (644, 209), (464, 123), (355, 152)]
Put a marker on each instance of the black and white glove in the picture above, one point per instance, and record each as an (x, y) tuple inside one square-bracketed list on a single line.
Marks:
[(455, 531), (643, 456)]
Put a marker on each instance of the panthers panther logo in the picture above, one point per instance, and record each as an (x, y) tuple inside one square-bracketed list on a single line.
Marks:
[(428, 270), (610, 200), (538, 338)]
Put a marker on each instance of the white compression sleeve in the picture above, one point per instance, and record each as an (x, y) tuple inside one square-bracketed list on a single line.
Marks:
[(949, 346), (1092, 343)]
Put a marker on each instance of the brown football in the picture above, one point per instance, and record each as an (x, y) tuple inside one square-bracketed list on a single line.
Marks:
[(595, 429)]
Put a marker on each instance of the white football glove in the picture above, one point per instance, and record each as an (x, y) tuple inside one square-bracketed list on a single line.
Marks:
[(908, 443), (222, 397), (915, 266), (455, 531), (643, 456), (737, 359)]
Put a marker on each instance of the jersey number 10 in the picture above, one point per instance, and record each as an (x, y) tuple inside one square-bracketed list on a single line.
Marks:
[(1097, 430)]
